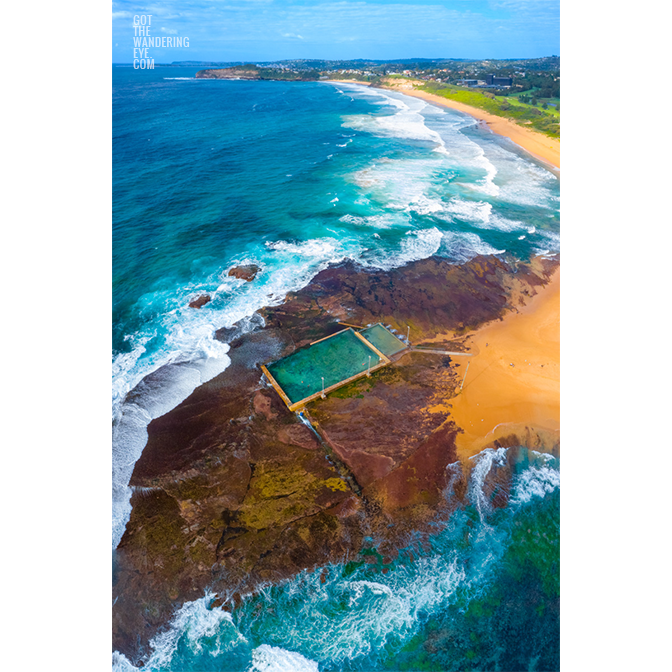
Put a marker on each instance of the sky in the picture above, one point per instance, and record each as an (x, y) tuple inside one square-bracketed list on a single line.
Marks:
[(270, 30)]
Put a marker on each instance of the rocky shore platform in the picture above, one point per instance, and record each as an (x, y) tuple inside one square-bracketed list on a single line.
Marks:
[(233, 490)]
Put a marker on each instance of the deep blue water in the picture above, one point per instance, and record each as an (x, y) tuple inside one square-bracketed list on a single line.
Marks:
[(290, 176)]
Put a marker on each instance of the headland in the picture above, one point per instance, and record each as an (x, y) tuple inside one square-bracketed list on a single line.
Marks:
[(233, 490)]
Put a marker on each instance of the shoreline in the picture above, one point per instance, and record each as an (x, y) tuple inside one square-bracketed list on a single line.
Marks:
[(512, 384), (347, 81), (540, 146), (232, 491), (498, 399)]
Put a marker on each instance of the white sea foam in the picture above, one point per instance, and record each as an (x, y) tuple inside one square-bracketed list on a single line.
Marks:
[(460, 151), (401, 183), (521, 181), (406, 122), (177, 350), (479, 214), (504, 173), (408, 185), (553, 238), (382, 221), (423, 205), (544, 458), (549, 244), (121, 664), (535, 482), (159, 386), (416, 245), (483, 463), (305, 619), (267, 658), (461, 247), (378, 611), (310, 248), (192, 623)]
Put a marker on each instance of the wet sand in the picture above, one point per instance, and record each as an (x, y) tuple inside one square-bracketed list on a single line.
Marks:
[(499, 399)]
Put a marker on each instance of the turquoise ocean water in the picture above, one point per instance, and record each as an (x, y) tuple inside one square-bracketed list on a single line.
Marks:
[(292, 177)]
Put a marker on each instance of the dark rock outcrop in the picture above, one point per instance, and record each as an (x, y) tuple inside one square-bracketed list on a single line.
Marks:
[(247, 272), (200, 301)]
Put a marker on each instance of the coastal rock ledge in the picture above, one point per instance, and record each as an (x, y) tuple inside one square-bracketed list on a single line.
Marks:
[(232, 490)]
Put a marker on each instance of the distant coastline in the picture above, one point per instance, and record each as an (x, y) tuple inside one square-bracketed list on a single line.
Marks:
[(539, 145)]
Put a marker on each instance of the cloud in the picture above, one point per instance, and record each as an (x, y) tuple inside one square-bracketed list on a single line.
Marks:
[(292, 35), (170, 31)]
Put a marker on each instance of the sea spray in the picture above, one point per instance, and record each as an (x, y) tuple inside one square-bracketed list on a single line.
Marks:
[(192, 356)]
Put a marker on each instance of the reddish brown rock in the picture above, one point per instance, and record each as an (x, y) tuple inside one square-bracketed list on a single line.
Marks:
[(375, 424), (200, 301), (263, 404), (248, 272), (420, 479), (298, 435)]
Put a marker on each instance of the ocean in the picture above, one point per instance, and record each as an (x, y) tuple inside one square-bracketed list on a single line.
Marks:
[(291, 176)]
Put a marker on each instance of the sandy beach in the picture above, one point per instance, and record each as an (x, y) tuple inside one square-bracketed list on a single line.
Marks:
[(512, 385), (513, 381)]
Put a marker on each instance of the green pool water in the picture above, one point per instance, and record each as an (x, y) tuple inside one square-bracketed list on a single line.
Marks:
[(383, 339), (337, 358)]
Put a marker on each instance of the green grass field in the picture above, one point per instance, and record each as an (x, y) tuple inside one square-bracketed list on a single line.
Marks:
[(545, 121)]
